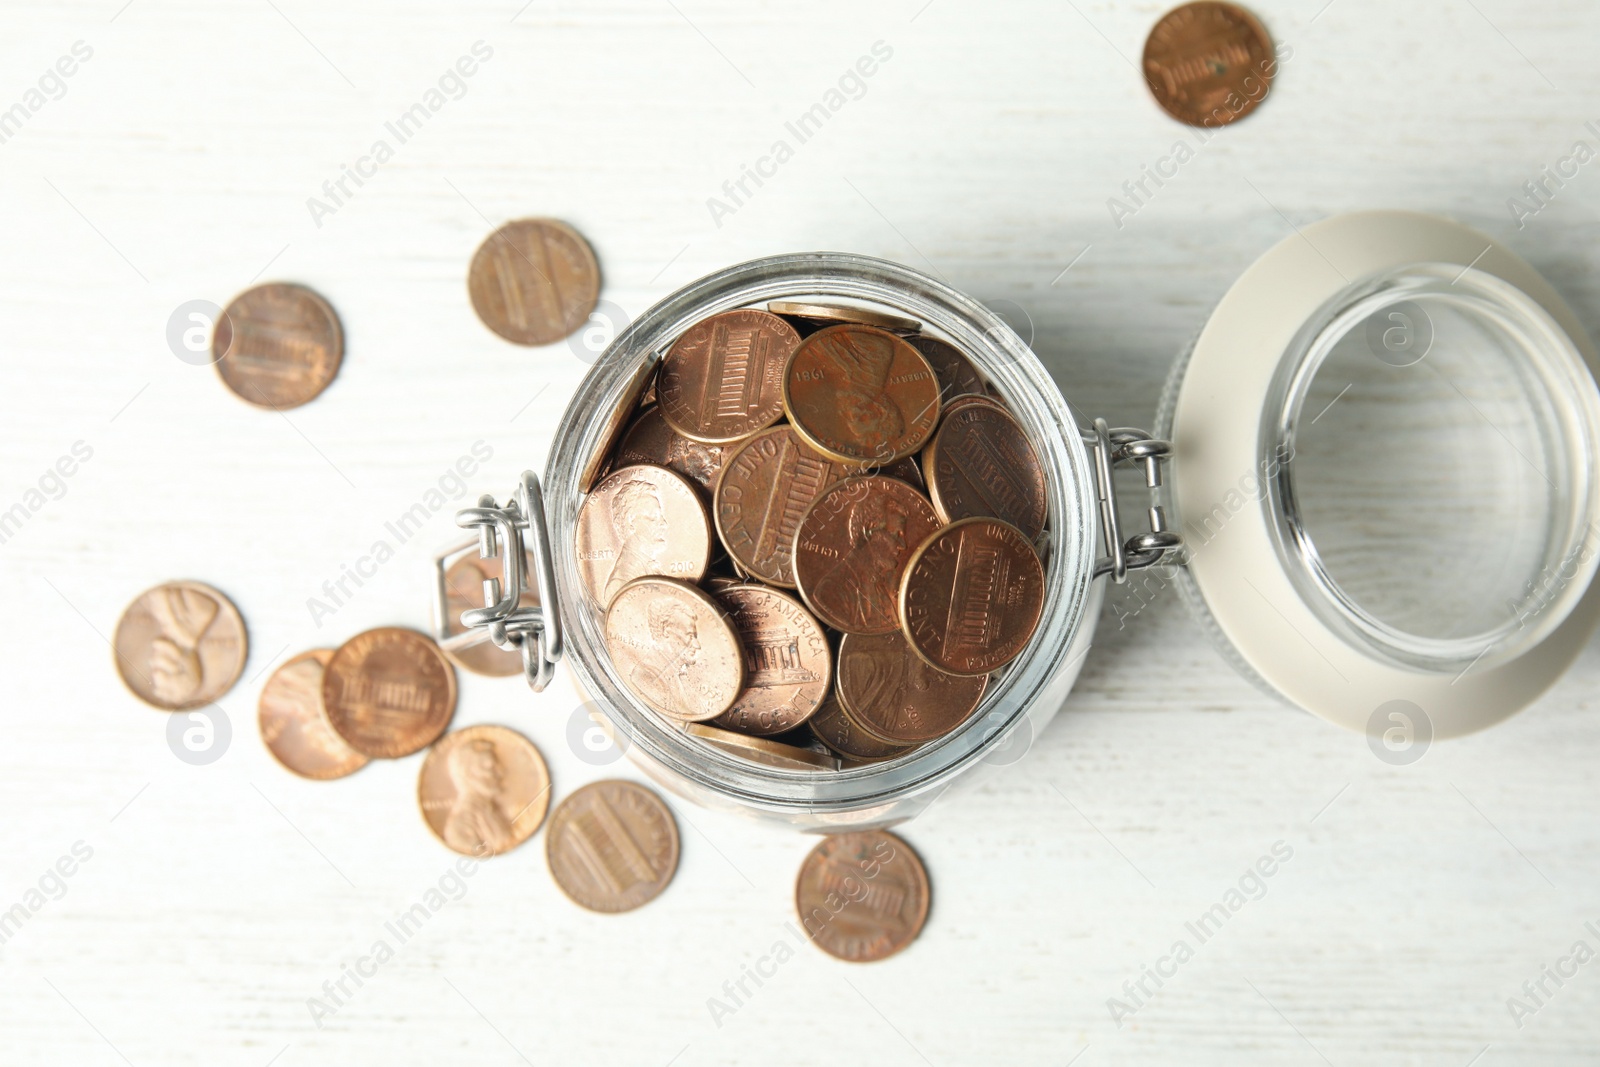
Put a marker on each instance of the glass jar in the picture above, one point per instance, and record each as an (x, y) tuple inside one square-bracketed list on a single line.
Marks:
[(1020, 699)]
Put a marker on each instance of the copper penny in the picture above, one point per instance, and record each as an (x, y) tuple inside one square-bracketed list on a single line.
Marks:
[(852, 547), (788, 666), (534, 281), (617, 419), (612, 846), (888, 691), (278, 345), (981, 462), (1209, 64), (295, 726), (862, 896), (833, 313), (652, 440), (972, 596), (675, 649), (180, 645), (762, 750), (840, 733), (767, 485), (640, 520), (860, 394), (722, 378), (389, 692), (957, 376), (483, 790), (463, 590)]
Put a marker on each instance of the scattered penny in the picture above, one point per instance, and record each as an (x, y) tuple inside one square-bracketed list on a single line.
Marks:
[(862, 896), (839, 732), (1209, 63), (389, 692), (722, 378), (674, 649), (651, 439), (852, 547), (835, 313), (763, 750), (612, 846), (294, 724), (180, 645), (972, 596), (894, 697), (534, 281), (980, 462), (860, 395), (788, 667), (278, 345), (640, 520), (483, 790)]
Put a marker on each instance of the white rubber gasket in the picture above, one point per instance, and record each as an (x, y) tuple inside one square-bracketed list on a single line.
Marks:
[(1216, 435)]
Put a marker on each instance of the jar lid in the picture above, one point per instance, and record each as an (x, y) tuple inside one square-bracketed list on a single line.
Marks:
[(1385, 445)]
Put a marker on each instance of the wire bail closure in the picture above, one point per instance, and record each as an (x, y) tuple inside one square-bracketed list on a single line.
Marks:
[(1127, 445)]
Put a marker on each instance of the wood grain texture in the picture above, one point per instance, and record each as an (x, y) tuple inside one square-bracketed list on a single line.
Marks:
[(218, 899)]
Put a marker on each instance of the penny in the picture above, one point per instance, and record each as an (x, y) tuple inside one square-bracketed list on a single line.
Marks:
[(788, 666), (862, 896), (1208, 63), (615, 424), (483, 790), (651, 439), (722, 378), (972, 596), (640, 520), (840, 733), (888, 691), (180, 645), (832, 313), (295, 726), (852, 547), (674, 649), (766, 487), (389, 692), (763, 750), (534, 281), (860, 395), (955, 372), (612, 846), (980, 462), (463, 589), (277, 345)]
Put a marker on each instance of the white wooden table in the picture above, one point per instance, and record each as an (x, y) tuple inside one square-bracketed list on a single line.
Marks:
[(177, 165)]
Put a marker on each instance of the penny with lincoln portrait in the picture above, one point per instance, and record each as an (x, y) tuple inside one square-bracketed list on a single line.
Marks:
[(896, 698), (860, 394), (839, 732), (972, 596), (788, 665), (612, 846), (389, 692), (675, 649), (638, 521), (852, 547), (278, 345), (862, 896), (180, 645), (294, 724), (652, 440), (980, 462), (767, 485), (722, 378), (483, 790)]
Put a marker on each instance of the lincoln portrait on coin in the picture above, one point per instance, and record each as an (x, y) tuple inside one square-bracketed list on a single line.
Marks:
[(863, 361), (664, 674), (866, 576), (476, 824), (641, 524)]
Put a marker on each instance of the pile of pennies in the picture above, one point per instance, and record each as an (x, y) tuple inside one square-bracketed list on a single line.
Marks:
[(816, 540)]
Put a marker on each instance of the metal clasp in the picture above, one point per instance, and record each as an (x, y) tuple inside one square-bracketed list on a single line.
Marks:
[(1127, 445), (515, 533)]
